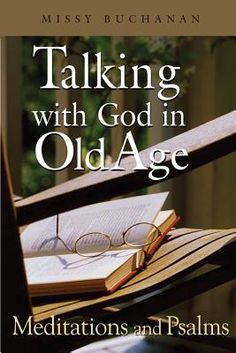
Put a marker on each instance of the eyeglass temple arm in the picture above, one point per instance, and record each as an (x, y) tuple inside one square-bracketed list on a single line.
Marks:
[(57, 226), (58, 237)]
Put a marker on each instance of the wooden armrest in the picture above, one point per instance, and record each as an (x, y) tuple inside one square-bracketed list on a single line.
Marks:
[(17, 198), (204, 143)]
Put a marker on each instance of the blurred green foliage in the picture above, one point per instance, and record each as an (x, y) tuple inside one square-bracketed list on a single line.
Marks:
[(138, 50)]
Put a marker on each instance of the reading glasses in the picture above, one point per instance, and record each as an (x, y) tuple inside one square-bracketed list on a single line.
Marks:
[(138, 235)]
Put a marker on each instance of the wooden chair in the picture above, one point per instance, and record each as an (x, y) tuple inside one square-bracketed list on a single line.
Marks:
[(185, 251)]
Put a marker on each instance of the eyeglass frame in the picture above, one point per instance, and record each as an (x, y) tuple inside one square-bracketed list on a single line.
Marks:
[(108, 236)]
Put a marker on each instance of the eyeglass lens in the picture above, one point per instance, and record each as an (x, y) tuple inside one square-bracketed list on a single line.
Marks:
[(95, 243), (92, 244), (141, 234)]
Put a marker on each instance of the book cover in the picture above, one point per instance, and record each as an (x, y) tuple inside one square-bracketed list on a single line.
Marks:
[(108, 100)]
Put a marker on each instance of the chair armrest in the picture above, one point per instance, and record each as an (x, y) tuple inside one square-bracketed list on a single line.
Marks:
[(204, 143)]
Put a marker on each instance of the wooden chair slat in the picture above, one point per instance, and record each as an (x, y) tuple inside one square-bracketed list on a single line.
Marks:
[(166, 266), (158, 301)]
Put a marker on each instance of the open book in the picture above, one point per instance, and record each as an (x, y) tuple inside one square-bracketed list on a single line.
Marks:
[(52, 269)]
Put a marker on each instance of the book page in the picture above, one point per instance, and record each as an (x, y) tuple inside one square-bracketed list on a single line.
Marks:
[(72, 267), (112, 217)]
